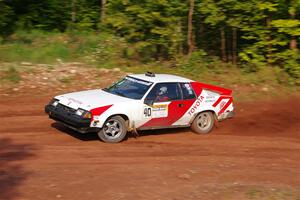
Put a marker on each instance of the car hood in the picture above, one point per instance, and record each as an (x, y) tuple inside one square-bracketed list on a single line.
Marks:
[(90, 99)]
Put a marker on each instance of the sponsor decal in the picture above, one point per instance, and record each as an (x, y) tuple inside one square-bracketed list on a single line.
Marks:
[(160, 110), (138, 81), (222, 104), (196, 105), (156, 111), (209, 101), (210, 97), (73, 100)]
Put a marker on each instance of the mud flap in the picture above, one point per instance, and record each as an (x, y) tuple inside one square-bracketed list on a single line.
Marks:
[(134, 131)]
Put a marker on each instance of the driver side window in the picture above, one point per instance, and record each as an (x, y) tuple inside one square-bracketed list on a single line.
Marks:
[(163, 92)]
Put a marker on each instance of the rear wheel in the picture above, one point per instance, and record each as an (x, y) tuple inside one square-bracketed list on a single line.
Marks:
[(203, 123), (114, 130)]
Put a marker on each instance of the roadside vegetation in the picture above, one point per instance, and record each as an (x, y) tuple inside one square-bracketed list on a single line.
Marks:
[(234, 43)]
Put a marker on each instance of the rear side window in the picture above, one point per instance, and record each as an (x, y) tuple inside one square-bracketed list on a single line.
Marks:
[(187, 91)]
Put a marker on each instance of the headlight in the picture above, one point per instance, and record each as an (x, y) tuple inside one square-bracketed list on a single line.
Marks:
[(79, 112), (54, 102), (85, 114)]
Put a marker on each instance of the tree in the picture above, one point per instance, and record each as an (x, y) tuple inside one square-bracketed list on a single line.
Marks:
[(102, 10), (190, 27), (214, 16), (5, 19), (73, 16), (151, 26), (294, 5)]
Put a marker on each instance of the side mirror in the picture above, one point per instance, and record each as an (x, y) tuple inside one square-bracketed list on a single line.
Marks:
[(149, 102)]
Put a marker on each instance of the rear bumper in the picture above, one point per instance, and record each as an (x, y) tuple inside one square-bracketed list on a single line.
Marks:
[(226, 115), (69, 119)]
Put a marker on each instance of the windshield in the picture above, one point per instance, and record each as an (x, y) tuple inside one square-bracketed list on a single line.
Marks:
[(129, 87)]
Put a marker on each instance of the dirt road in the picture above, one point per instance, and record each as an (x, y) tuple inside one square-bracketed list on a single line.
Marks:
[(254, 156)]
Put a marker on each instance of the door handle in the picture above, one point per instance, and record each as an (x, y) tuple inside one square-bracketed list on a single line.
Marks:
[(180, 105)]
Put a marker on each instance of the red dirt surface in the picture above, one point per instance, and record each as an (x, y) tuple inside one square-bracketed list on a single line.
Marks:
[(256, 155)]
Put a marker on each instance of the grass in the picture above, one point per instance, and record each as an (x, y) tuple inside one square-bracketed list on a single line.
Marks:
[(254, 193), (260, 193), (11, 75), (66, 80), (44, 47)]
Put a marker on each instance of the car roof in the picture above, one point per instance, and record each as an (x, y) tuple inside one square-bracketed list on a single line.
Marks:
[(161, 78)]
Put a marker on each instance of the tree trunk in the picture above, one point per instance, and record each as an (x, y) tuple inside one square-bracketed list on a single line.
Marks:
[(190, 28), (234, 45), (223, 45), (102, 10), (269, 39), (180, 45), (73, 14), (293, 43), (202, 32)]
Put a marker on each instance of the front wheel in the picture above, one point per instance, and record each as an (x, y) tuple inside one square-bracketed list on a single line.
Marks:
[(203, 123), (114, 130)]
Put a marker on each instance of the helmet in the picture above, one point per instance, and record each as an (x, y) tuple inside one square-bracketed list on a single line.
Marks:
[(163, 90)]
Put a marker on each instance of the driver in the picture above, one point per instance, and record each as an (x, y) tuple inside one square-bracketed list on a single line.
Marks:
[(161, 94)]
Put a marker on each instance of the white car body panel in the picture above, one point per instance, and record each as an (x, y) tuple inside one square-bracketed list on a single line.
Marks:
[(90, 99)]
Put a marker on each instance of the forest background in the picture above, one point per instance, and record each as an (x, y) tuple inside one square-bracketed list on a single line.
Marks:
[(218, 41)]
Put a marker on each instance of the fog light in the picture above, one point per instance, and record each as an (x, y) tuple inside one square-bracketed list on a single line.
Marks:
[(87, 115)]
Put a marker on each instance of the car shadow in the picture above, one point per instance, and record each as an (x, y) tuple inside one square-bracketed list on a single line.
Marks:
[(93, 136), (12, 172), (81, 136), (161, 131)]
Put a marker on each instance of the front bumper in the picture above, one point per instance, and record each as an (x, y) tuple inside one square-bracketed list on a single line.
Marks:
[(67, 116)]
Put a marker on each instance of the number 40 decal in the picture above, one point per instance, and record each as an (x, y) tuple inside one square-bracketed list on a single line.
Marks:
[(147, 112)]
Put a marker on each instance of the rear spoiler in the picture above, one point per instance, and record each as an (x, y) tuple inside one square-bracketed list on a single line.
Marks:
[(198, 87)]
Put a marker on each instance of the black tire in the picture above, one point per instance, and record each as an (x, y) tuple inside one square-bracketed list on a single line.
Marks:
[(114, 130), (203, 123)]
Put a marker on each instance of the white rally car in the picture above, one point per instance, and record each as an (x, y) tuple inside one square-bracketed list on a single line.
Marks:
[(143, 101)]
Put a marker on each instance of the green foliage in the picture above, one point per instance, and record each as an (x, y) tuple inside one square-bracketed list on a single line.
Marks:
[(150, 25), (108, 51), (263, 34), (87, 15), (287, 26), (290, 61), (213, 11)]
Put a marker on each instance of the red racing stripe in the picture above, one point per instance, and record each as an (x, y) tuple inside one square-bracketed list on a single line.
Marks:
[(222, 91), (225, 106), (220, 99), (199, 86), (99, 111), (174, 113)]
